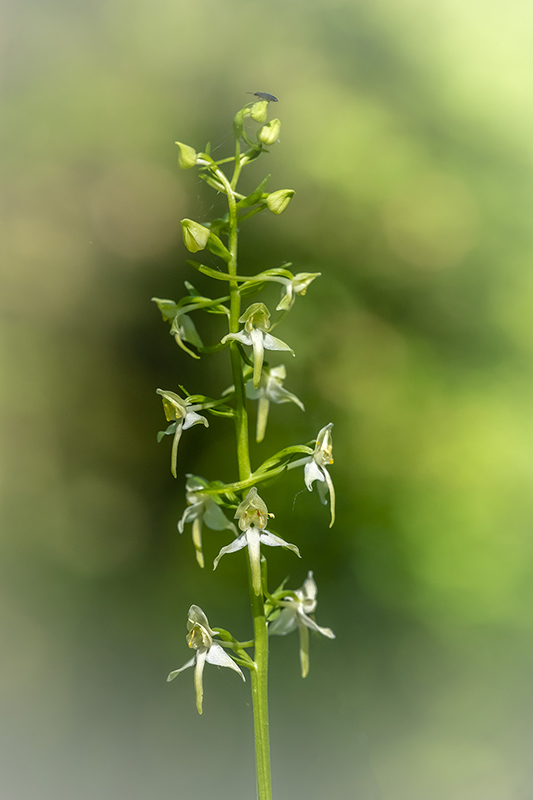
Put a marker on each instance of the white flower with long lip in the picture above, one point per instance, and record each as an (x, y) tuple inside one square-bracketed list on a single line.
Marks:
[(183, 412), (315, 468), (202, 509), (252, 515), (270, 390), (200, 638), (293, 286), (256, 320), (295, 614)]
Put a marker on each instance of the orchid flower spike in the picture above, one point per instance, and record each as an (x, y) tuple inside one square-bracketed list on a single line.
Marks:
[(270, 390), (183, 414), (296, 614), (202, 509), (200, 638), (252, 515), (315, 468), (256, 320)]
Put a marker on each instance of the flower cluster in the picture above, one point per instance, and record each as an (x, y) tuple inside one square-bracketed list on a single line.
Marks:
[(248, 336)]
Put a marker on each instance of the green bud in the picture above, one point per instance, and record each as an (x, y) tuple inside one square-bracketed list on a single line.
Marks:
[(269, 133), (187, 157), (278, 201), (195, 236), (258, 111)]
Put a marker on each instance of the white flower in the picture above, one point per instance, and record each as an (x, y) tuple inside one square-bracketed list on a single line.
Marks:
[(252, 515), (256, 320), (202, 508), (295, 614), (270, 390), (200, 638), (315, 468), (297, 285), (183, 412)]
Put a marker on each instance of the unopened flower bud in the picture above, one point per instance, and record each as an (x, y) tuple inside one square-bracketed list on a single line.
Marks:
[(269, 133), (258, 111), (187, 156), (278, 201), (195, 236)]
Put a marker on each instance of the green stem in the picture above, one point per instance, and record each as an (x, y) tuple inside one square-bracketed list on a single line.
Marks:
[(259, 674)]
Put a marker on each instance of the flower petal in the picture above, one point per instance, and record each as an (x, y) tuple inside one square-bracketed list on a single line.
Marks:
[(198, 678), (257, 338), (197, 540), (242, 336), (238, 544), (192, 418), (253, 538), (287, 622), (190, 514), (272, 540), (271, 343), (304, 651), (217, 655), (176, 672), (306, 621), (215, 518), (312, 473)]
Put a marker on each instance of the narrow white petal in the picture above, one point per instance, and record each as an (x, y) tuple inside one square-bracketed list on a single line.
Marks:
[(304, 651), (198, 679), (242, 336), (174, 452), (331, 496), (310, 623), (271, 343), (253, 538), (197, 540), (257, 344), (272, 540), (190, 514), (217, 655), (262, 417), (238, 544), (176, 672)]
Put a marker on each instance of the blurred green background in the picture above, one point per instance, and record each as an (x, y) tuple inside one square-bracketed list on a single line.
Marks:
[(407, 133)]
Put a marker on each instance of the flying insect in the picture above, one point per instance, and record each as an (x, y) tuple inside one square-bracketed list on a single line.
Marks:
[(264, 96)]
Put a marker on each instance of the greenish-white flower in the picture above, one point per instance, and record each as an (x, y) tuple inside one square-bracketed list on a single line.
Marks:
[(202, 509), (184, 415), (256, 320), (297, 285), (295, 614), (315, 468), (252, 515), (200, 638), (270, 390)]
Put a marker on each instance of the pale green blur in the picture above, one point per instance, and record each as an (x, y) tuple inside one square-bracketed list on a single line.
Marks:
[(406, 133)]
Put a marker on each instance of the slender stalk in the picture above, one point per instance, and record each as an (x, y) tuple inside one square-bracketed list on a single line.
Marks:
[(259, 675)]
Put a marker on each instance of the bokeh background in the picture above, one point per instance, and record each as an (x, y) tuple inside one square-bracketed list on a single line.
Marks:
[(407, 133)]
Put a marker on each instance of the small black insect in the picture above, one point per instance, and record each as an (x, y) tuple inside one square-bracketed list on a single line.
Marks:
[(264, 96)]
